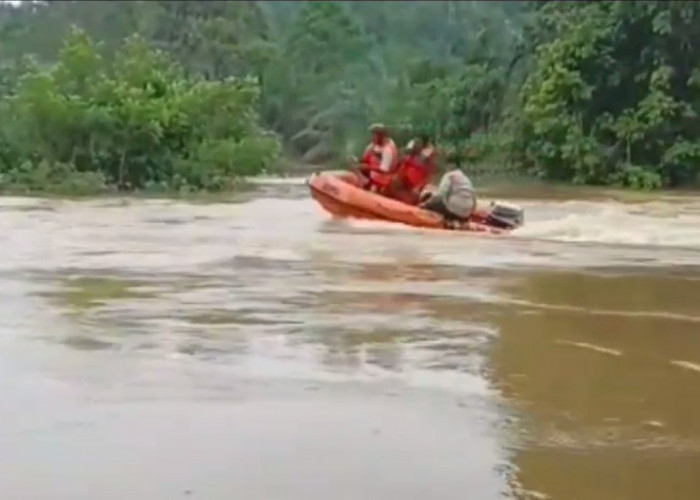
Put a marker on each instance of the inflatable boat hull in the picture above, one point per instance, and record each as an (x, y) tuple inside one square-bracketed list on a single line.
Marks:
[(340, 194)]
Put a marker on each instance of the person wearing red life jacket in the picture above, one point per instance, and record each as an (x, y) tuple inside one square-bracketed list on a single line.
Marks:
[(416, 170), (420, 165), (380, 159)]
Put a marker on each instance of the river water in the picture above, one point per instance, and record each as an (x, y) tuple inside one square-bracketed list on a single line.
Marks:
[(259, 350)]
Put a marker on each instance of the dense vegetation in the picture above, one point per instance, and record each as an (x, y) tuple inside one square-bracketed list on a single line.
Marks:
[(194, 94), (613, 94)]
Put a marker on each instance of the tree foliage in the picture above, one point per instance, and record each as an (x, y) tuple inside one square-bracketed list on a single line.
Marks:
[(584, 92), (131, 120), (613, 95)]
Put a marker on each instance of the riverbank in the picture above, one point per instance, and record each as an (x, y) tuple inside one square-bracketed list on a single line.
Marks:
[(488, 186), (239, 187)]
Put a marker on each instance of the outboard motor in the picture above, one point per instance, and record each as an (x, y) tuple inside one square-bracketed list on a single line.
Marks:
[(505, 215)]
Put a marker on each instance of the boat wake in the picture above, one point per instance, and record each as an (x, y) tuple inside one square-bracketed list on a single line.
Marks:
[(653, 224)]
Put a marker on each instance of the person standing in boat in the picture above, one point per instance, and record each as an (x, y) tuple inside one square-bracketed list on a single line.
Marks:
[(454, 197)]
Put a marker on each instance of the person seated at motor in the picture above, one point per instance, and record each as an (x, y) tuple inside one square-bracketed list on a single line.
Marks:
[(416, 169), (380, 159), (454, 197)]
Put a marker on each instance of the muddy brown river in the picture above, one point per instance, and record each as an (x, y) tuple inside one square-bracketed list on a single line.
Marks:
[(257, 350)]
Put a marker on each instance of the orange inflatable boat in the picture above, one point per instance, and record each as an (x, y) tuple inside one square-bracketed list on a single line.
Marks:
[(340, 194)]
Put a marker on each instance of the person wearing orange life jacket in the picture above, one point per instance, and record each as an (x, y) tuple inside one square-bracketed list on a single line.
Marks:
[(380, 159), (416, 169)]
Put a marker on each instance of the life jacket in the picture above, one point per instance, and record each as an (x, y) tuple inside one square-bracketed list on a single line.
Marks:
[(417, 170), (372, 156)]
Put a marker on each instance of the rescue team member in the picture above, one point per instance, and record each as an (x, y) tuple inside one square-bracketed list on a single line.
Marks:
[(380, 159), (416, 170), (454, 197)]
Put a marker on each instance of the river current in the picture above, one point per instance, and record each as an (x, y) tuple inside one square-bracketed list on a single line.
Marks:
[(258, 349)]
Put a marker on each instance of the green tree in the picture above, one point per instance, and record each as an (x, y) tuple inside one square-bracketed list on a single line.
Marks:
[(132, 120), (325, 69), (613, 94)]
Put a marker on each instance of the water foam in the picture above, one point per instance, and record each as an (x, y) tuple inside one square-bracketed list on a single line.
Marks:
[(652, 224)]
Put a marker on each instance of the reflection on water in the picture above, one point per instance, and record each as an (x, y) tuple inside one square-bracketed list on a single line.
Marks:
[(607, 411), (401, 363)]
